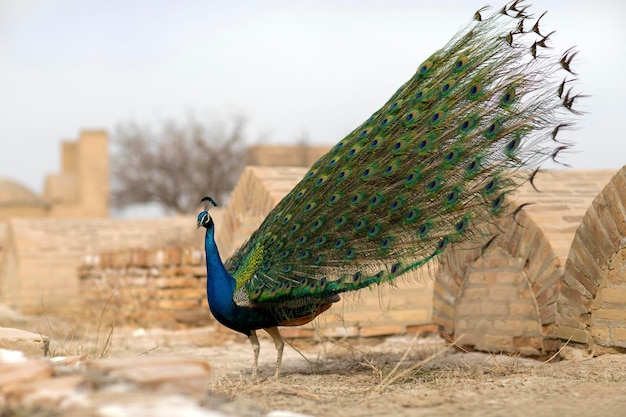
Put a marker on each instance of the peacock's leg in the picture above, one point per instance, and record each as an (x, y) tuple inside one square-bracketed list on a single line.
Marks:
[(256, 347), (280, 345)]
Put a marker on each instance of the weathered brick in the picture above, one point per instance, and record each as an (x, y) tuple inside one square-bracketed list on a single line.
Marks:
[(381, 330), (475, 292), (619, 333), (547, 314), (576, 335), (497, 343), (610, 314), (613, 295), (508, 326), (531, 327), (523, 309), (524, 342), (616, 276), (504, 293), (468, 308), (495, 308), (600, 332)]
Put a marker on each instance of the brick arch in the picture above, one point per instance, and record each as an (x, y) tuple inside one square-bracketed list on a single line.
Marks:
[(592, 300), (505, 298)]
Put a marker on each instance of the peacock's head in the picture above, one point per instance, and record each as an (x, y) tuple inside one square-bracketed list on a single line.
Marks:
[(204, 218)]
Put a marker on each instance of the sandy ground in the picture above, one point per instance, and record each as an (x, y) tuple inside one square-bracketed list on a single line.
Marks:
[(399, 376), (395, 376)]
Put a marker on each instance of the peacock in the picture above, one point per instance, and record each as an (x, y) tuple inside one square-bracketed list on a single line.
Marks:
[(478, 118)]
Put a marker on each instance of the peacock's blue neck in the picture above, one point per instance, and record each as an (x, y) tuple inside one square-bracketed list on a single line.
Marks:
[(220, 285)]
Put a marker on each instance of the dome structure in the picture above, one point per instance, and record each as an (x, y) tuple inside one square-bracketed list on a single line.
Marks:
[(14, 193)]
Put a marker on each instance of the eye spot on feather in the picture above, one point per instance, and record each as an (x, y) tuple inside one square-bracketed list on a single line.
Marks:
[(460, 64), (385, 244), (461, 226), (375, 230), (321, 180), (356, 277), (508, 97), (376, 200), (320, 240), (357, 198), (317, 224), (395, 268), (334, 198), (512, 146), (319, 259), (368, 172), (302, 240), (474, 91), (492, 130), (411, 179), (447, 87), (386, 121), (396, 204), (425, 68), (340, 243), (411, 216), (421, 94), (341, 220), (452, 197), (497, 204), (361, 224), (304, 254), (437, 117), (343, 174), (350, 254)]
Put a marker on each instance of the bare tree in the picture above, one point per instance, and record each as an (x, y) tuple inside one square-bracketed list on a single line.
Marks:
[(177, 165)]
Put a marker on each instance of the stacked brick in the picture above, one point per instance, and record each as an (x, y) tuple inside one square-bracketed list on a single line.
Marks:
[(511, 295), (40, 257), (592, 300), (147, 288)]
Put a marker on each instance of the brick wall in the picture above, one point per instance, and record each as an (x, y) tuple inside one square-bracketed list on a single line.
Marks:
[(592, 304), (147, 288), (511, 297), (43, 255)]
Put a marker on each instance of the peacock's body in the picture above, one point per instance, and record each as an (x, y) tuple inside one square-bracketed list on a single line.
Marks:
[(423, 172)]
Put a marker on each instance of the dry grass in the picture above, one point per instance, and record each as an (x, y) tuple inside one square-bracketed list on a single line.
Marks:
[(79, 338)]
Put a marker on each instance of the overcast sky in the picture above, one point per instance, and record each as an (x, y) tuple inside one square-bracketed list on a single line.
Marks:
[(293, 67)]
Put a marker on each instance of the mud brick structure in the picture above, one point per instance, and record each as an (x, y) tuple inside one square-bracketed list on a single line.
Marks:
[(537, 284)]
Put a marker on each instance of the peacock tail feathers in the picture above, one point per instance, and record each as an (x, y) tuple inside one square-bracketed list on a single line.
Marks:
[(425, 171)]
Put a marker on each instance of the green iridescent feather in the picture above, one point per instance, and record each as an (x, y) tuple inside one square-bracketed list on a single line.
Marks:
[(423, 172)]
